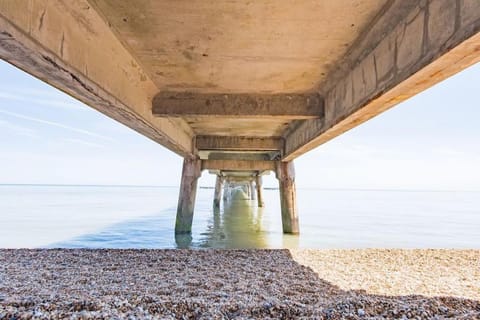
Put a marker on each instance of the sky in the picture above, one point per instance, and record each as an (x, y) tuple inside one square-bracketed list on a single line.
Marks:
[(429, 142)]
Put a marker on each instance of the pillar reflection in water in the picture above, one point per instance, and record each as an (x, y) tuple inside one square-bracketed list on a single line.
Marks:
[(238, 225), (183, 240)]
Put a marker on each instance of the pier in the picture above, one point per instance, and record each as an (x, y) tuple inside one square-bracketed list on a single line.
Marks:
[(240, 89)]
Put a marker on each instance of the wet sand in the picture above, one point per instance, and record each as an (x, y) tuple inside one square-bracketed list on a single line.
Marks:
[(205, 284)]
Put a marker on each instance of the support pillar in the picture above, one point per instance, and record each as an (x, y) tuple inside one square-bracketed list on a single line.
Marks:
[(286, 177), (253, 190), (218, 192), (225, 191), (258, 185), (188, 190)]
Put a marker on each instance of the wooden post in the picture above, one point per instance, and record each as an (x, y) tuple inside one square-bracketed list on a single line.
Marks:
[(286, 177), (218, 192), (258, 184), (188, 190)]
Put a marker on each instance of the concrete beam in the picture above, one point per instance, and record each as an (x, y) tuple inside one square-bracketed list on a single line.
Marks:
[(238, 165), (240, 156), (239, 143), (244, 179), (284, 106), (69, 46), (411, 46)]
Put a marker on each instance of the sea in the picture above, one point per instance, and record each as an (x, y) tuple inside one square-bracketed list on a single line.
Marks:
[(59, 216)]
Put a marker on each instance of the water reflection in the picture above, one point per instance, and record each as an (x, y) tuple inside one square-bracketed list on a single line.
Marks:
[(183, 241), (290, 241), (127, 218), (238, 225)]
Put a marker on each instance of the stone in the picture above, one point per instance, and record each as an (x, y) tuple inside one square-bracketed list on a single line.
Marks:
[(361, 312)]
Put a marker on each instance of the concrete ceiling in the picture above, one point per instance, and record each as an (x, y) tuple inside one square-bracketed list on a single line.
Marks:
[(238, 47), (225, 46)]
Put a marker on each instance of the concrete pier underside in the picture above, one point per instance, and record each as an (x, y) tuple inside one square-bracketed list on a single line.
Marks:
[(240, 88)]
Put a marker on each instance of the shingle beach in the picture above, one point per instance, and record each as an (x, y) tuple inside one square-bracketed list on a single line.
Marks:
[(243, 284)]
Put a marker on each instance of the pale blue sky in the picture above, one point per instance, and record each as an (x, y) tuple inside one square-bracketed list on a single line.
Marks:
[(429, 142)]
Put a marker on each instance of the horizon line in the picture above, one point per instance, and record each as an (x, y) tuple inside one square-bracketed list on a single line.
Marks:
[(211, 187)]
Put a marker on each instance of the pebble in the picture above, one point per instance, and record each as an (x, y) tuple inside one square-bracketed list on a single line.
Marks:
[(194, 284), (361, 312)]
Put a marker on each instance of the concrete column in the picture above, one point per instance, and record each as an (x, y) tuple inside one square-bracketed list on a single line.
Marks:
[(258, 185), (188, 190), (286, 177), (227, 191), (218, 192), (225, 186), (253, 190)]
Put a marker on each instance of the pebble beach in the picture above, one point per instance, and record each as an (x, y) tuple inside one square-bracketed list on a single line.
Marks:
[(239, 284)]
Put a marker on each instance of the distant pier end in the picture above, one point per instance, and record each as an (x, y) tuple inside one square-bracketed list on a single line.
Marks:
[(240, 88)]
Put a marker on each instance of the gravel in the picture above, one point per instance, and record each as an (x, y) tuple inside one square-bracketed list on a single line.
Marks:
[(428, 272), (244, 284)]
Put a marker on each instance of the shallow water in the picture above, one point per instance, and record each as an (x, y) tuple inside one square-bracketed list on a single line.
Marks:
[(144, 217)]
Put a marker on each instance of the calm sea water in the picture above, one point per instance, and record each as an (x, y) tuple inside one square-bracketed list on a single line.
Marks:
[(144, 217)]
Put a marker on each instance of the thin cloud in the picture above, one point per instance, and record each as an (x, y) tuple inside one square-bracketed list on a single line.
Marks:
[(84, 142), (58, 125), (51, 101), (19, 130)]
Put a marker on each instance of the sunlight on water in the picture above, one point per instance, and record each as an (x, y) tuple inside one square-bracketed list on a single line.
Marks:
[(239, 225), (144, 217)]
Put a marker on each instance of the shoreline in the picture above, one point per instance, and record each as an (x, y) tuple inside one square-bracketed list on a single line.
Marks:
[(257, 283)]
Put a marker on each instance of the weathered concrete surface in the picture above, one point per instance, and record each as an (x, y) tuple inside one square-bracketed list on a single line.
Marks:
[(236, 46), (410, 47), (242, 47), (239, 143), (238, 165), (259, 190), (253, 190), (217, 196), (68, 45), (239, 148), (251, 156), (188, 191), (239, 127), (248, 187), (285, 172), (283, 106)]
